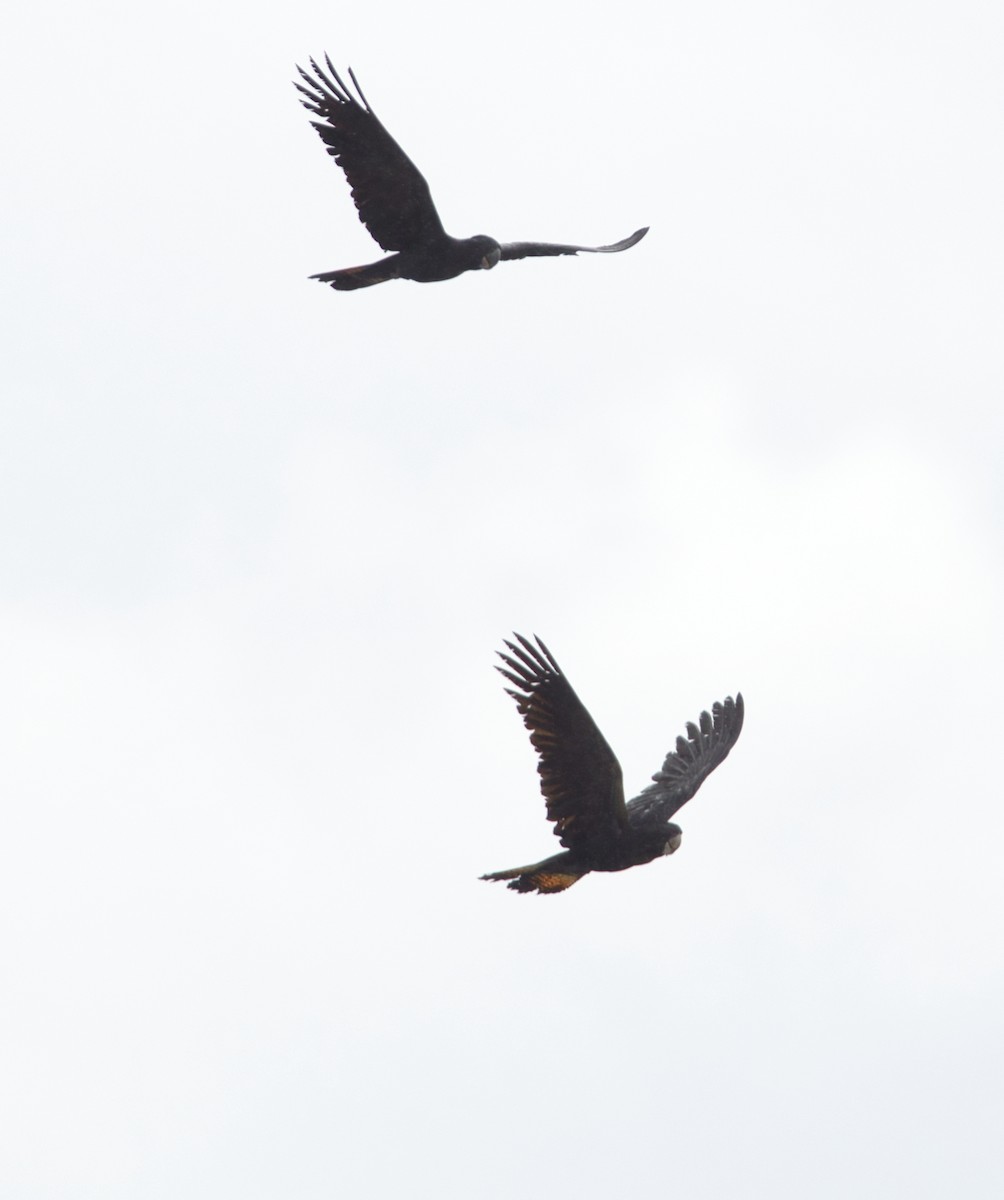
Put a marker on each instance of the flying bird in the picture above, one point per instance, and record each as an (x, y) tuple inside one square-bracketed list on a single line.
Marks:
[(394, 201), (581, 778)]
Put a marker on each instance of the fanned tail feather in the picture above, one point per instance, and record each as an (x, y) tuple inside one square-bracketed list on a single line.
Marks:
[(541, 879), (348, 279)]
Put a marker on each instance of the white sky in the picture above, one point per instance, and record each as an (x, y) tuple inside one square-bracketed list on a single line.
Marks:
[(261, 540)]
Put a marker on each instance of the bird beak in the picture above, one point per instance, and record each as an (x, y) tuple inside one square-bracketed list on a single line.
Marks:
[(674, 843), (490, 260)]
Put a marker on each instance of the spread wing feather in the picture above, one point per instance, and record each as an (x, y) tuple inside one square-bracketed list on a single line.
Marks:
[(580, 776), (693, 760), (542, 249), (390, 192)]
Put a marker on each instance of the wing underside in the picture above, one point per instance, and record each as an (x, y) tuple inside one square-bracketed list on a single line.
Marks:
[(580, 776), (706, 745), (390, 193), (549, 249)]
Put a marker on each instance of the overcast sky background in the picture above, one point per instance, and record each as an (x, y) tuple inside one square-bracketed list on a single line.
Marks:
[(260, 541)]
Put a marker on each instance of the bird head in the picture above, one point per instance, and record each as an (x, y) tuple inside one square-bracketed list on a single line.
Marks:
[(488, 250), (674, 836)]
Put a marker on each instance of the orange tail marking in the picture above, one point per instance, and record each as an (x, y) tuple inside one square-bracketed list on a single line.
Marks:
[(526, 879), (552, 881)]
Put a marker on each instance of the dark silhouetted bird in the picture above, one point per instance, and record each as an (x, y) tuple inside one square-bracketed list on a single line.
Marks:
[(581, 778), (394, 201)]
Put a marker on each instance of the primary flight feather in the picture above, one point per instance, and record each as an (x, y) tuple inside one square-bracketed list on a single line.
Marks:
[(580, 776), (393, 198)]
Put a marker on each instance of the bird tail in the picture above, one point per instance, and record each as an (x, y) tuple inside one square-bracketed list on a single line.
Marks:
[(552, 875), (349, 278)]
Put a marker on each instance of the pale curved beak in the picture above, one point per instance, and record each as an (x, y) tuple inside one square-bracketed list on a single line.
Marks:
[(490, 259), (674, 843)]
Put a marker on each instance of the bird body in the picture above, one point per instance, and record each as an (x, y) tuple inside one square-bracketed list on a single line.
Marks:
[(582, 783), (442, 258), (394, 201), (560, 871)]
